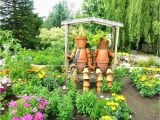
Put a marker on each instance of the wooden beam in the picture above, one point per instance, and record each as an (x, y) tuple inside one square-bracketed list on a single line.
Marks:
[(94, 20), (116, 45), (66, 48)]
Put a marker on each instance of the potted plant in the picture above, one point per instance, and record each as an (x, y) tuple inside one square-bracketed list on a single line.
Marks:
[(81, 39)]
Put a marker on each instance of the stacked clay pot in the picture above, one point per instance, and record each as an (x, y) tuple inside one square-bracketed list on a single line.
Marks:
[(86, 82)]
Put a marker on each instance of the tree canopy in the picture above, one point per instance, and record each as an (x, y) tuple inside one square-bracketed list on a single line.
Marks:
[(59, 13), (18, 17)]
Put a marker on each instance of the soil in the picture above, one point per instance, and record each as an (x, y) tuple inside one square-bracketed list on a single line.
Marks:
[(144, 108)]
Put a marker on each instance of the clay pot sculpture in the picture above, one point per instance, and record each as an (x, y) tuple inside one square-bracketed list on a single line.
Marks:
[(109, 77), (81, 42)]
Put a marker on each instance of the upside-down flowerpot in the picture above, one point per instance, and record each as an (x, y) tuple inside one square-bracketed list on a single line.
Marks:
[(81, 41)]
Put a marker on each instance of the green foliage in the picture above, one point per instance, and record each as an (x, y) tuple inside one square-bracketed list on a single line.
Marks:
[(121, 72), (144, 82), (52, 37), (65, 108), (116, 87), (99, 109), (104, 86), (18, 17), (139, 18), (85, 102), (60, 12), (53, 80)]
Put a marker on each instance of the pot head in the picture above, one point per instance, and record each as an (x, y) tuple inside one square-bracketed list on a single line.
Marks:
[(81, 42), (103, 44)]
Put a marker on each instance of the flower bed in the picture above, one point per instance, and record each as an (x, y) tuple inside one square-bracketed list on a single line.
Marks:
[(5, 91), (146, 80), (26, 108), (112, 108)]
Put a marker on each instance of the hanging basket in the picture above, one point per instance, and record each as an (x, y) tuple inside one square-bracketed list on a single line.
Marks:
[(81, 41)]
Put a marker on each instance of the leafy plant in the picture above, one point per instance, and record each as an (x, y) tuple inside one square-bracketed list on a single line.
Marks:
[(104, 86), (85, 102), (116, 87), (65, 108)]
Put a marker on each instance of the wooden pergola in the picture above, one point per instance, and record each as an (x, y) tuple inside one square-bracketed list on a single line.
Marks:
[(115, 33)]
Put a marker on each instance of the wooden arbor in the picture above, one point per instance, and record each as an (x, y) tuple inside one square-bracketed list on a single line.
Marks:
[(115, 33)]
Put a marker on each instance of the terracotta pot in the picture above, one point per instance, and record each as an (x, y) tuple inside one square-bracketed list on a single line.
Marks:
[(98, 89), (81, 42), (86, 89), (109, 78), (109, 83), (102, 44), (86, 83), (80, 66), (102, 67), (99, 83)]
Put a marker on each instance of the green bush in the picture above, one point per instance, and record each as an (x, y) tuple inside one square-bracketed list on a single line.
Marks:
[(104, 86), (121, 71), (85, 102), (65, 108), (116, 87)]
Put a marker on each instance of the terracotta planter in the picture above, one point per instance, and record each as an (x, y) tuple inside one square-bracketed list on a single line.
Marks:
[(86, 89), (102, 67), (80, 66), (109, 83), (98, 89), (86, 83), (102, 44), (99, 84), (81, 42), (109, 77)]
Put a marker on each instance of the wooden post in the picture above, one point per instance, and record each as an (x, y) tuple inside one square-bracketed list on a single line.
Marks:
[(113, 37), (116, 45), (66, 48)]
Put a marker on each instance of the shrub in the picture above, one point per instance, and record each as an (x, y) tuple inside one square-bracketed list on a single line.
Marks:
[(116, 87), (65, 108), (85, 102), (104, 86)]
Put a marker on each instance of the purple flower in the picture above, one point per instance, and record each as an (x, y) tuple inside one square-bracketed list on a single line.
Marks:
[(26, 105), (39, 116), (16, 119), (27, 117), (13, 104), (14, 112), (34, 110)]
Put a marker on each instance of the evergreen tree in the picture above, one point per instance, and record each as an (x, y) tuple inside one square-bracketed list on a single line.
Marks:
[(60, 12), (18, 17)]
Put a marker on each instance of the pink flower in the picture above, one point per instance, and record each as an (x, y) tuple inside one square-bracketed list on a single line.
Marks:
[(27, 117), (39, 116), (16, 119), (26, 105), (34, 110), (14, 112), (41, 106), (13, 104), (26, 98)]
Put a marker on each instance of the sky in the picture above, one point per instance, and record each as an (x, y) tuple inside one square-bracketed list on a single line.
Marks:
[(44, 7)]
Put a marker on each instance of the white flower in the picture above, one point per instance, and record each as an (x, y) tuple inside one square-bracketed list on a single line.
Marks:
[(2, 108), (101, 96), (8, 84)]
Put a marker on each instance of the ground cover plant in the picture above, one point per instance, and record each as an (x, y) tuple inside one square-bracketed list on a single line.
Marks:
[(146, 80)]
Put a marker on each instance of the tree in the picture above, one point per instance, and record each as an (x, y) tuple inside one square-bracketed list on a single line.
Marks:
[(139, 18), (18, 17), (60, 12)]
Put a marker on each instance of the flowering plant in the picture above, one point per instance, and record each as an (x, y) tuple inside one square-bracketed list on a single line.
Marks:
[(26, 108), (147, 81), (112, 108)]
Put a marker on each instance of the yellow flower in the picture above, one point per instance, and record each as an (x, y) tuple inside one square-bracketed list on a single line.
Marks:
[(58, 76), (108, 103), (143, 78), (113, 94), (41, 76), (106, 117), (113, 108), (120, 97)]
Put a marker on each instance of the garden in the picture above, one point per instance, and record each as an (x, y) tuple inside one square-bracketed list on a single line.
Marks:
[(54, 69)]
